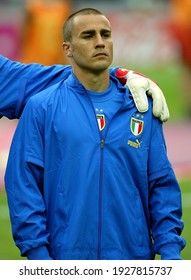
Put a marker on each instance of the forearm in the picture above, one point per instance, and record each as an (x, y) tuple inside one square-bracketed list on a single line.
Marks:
[(23, 184), (166, 217)]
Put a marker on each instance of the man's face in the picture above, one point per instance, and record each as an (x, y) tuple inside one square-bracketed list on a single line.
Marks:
[(91, 47)]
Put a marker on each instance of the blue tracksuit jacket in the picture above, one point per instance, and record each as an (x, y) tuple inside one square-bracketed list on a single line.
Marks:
[(75, 193), (18, 82)]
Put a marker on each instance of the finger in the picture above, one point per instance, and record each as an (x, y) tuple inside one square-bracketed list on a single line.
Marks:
[(165, 111), (156, 96), (160, 108), (141, 100), (138, 87)]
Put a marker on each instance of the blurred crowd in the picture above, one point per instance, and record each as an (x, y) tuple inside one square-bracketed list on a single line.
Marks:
[(180, 14)]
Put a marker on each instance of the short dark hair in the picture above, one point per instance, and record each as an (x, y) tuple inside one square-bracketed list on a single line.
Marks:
[(67, 27)]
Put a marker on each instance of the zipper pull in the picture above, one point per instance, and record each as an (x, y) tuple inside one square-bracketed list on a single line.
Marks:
[(102, 143)]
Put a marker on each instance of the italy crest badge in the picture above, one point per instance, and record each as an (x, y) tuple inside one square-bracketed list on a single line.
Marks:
[(136, 126)]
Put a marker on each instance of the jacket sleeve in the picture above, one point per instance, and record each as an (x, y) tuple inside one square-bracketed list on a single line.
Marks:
[(24, 186), (113, 70), (18, 82), (165, 199)]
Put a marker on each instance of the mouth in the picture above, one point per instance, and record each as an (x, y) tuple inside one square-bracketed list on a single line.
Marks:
[(100, 54)]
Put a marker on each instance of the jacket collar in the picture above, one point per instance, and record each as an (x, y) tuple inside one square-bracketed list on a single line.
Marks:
[(73, 82)]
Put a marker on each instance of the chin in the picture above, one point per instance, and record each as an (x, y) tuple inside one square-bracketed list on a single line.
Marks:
[(103, 65)]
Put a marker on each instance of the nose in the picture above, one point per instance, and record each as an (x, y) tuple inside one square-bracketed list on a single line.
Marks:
[(99, 41)]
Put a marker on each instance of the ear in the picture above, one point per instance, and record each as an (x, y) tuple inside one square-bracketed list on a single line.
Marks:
[(67, 49)]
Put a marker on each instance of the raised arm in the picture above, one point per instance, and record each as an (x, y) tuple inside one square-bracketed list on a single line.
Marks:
[(18, 82)]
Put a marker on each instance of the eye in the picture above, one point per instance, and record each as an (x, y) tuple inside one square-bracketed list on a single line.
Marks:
[(87, 36), (106, 34)]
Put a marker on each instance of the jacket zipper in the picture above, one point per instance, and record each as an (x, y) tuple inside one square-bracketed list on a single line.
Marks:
[(100, 198), (102, 144)]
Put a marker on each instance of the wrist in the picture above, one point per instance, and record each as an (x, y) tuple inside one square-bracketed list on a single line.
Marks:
[(170, 252), (40, 253)]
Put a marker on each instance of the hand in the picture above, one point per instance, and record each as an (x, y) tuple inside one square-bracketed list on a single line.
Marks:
[(140, 86)]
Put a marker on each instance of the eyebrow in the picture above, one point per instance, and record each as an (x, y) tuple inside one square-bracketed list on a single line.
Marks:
[(93, 31)]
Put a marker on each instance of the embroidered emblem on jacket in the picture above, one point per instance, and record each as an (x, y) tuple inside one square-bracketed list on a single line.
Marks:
[(135, 144), (136, 126), (101, 121)]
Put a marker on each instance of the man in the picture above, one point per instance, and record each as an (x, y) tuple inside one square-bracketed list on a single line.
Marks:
[(88, 176)]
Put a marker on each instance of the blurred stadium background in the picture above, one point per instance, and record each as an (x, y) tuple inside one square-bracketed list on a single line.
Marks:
[(143, 41)]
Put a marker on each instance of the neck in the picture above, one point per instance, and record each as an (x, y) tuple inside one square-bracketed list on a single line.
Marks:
[(96, 82)]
